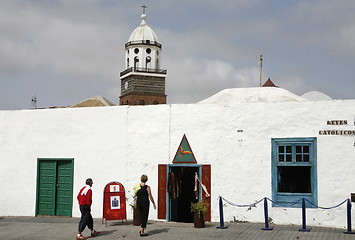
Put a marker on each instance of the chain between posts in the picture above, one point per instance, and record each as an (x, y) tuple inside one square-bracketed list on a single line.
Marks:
[(302, 200)]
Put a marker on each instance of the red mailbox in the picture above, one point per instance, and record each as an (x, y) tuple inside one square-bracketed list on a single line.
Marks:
[(114, 205)]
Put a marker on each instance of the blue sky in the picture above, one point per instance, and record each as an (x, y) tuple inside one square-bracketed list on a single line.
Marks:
[(65, 51)]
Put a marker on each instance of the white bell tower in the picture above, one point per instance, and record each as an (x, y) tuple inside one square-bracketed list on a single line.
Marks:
[(142, 81)]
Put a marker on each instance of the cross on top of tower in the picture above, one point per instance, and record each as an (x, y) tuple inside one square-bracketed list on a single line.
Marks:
[(144, 7)]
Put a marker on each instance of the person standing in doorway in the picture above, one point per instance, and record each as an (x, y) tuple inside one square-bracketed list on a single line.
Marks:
[(85, 200), (144, 194)]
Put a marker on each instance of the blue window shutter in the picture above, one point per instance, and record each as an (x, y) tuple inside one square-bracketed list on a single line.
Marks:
[(304, 161)]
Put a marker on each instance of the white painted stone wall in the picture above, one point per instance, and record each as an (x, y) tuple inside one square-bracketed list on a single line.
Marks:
[(121, 143)]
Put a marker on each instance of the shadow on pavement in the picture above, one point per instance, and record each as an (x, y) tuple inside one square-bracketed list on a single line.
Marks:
[(157, 231), (104, 233)]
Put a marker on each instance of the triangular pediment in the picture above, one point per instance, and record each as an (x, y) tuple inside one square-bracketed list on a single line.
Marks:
[(184, 153)]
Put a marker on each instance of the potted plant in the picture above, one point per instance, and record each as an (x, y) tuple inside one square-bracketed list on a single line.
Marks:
[(199, 209), (133, 204)]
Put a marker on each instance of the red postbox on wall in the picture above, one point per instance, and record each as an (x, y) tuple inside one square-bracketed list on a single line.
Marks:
[(114, 205)]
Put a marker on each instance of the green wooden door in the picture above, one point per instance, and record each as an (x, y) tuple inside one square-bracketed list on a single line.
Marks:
[(55, 187), (46, 187), (64, 188)]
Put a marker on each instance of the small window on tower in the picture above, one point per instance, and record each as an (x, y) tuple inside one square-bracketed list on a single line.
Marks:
[(136, 50), (136, 60), (147, 62), (148, 50)]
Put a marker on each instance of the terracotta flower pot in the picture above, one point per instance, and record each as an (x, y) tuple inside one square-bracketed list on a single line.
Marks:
[(199, 221), (136, 216)]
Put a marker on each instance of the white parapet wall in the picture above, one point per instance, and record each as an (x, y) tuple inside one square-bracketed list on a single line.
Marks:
[(121, 143)]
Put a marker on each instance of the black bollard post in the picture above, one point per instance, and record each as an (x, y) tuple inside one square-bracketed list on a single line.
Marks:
[(348, 214), (304, 228), (266, 215), (221, 219)]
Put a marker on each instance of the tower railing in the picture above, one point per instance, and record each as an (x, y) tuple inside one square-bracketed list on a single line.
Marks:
[(143, 70), (146, 42)]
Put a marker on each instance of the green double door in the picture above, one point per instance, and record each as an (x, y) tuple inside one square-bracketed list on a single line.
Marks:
[(55, 187)]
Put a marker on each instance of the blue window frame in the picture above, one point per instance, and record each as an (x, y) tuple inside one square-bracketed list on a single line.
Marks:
[(294, 171)]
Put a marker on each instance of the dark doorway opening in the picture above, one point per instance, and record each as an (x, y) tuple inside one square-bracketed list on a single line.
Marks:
[(181, 188)]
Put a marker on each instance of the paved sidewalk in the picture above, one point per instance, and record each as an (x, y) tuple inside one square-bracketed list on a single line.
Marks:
[(38, 228)]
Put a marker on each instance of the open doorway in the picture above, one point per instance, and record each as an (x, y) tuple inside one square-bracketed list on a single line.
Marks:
[(181, 192)]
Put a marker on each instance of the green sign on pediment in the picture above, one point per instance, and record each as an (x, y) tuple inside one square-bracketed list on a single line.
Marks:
[(184, 152)]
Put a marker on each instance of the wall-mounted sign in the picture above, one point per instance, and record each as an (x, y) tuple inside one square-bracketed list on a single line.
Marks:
[(184, 153), (335, 131), (337, 122)]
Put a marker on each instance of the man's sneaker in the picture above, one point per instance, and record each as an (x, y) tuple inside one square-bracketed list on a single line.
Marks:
[(80, 237), (94, 233)]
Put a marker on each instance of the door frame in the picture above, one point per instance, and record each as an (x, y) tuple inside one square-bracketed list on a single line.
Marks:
[(163, 197), (168, 169), (56, 179)]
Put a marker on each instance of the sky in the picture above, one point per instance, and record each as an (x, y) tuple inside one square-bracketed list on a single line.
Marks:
[(66, 51)]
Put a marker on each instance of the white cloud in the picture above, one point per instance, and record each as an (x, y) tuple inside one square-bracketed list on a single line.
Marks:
[(225, 6), (294, 84), (197, 79), (207, 45), (325, 24), (33, 38), (347, 34)]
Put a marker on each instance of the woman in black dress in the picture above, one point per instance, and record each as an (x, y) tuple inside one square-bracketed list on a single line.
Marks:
[(143, 196)]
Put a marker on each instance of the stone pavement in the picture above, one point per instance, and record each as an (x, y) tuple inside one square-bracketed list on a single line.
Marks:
[(63, 228)]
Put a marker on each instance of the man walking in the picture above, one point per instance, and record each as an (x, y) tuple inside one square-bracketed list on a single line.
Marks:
[(85, 201)]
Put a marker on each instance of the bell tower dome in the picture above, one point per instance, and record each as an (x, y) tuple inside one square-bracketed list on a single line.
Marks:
[(143, 80)]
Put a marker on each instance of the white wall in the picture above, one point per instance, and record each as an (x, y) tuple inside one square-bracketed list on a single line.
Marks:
[(121, 143)]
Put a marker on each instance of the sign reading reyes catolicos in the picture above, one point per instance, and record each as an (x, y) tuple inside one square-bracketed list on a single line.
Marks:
[(337, 132)]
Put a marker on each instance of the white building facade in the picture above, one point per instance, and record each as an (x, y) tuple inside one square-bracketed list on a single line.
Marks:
[(280, 150)]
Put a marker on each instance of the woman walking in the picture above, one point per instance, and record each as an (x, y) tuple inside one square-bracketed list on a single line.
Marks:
[(144, 194)]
